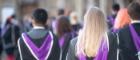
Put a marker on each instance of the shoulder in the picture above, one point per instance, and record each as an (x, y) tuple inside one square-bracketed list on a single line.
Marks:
[(74, 41), (126, 28), (20, 41), (124, 31), (73, 44)]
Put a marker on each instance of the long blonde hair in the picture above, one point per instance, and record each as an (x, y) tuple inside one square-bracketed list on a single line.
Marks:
[(93, 30)]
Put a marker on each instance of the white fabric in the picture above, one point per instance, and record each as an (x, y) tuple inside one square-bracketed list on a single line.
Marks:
[(38, 27), (136, 21), (118, 42), (31, 49)]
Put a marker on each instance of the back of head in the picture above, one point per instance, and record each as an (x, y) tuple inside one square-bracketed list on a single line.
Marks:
[(61, 12), (40, 16), (116, 7), (134, 10), (126, 3), (94, 28), (63, 26)]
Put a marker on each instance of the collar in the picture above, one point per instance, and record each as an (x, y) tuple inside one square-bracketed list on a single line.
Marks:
[(38, 27), (135, 22)]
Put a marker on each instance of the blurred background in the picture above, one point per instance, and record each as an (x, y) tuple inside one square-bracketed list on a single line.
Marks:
[(18, 12), (23, 8)]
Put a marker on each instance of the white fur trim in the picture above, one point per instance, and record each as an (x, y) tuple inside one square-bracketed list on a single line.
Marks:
[(34, 53), (29, 48), (20, 50)]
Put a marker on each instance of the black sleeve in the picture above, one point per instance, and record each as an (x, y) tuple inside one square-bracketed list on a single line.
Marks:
[(17, 32), (112, 54), (55, 53), (127, 49), (23, 50)]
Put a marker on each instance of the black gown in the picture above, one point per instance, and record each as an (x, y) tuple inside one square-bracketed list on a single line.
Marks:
[(127, 48), (37, 37), (10, 37), (112, 54)]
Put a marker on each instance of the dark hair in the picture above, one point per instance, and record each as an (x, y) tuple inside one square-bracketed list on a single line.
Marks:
[(40, 15), (63, 26), (116, 7), (134, 10), (61, 12), (13, 16), (126, 3)]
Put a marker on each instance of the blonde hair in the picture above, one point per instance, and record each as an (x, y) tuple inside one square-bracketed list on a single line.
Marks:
[(92, 33)]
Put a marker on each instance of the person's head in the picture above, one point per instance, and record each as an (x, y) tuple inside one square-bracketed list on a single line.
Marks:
[(92, 33), (134, 11), (116, 7), (13, 16), (63, 26), (126, 3), (61, 12), (73, 18), (39, 17)]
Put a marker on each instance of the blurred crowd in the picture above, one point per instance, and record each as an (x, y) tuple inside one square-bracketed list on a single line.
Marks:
[(65, 37)]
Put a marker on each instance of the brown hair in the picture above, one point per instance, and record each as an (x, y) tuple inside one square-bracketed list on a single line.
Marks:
[(134, 10), (63, 26)]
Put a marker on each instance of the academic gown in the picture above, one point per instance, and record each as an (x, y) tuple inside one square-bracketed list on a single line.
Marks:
[(127, 48), (112, 53), (37, 37), (71, 55), (10, 37)]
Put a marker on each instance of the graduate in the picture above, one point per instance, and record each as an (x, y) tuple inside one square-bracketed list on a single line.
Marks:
[(92, 42), (10, 33), (39, 43), (111, 18), (129, 36), (64, 34)]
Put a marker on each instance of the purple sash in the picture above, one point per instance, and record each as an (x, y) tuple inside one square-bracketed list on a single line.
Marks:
[(102, 52), (111, 19), (43, 51), (135, 37), (61, 41)]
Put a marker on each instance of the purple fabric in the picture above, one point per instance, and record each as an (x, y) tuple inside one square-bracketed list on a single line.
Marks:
[(5, 29), (62, 39), (82, 57), (43, 50), (111, 19), (135, 37), (101, 54), (61, 42)]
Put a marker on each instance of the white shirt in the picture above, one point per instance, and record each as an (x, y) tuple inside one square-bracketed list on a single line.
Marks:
[(136, 21), (38, 27)]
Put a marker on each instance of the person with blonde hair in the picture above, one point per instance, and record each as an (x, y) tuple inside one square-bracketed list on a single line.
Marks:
[(92, 41)]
